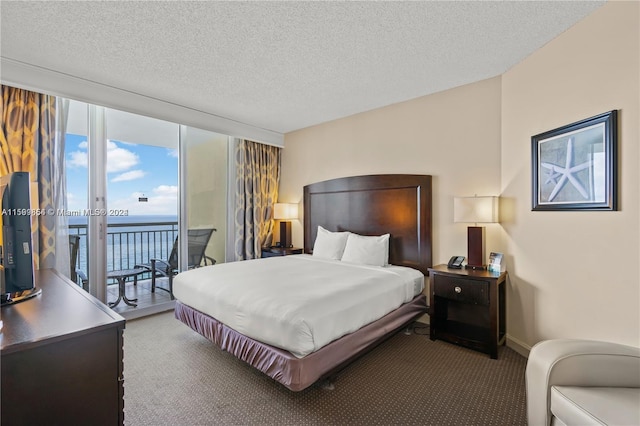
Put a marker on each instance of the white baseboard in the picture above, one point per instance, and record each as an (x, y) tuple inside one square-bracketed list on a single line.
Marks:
[(518, 346)]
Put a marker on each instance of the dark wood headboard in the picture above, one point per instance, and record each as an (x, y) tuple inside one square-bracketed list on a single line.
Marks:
[(399, 205)]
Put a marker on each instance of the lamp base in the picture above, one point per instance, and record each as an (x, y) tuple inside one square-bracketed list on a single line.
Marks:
[(475, 247), (285, 234)]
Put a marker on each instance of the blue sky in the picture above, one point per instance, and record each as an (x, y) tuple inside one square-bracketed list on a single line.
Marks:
[(132, 170)]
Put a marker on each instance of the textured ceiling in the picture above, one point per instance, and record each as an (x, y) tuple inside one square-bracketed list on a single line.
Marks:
[(282, 66)]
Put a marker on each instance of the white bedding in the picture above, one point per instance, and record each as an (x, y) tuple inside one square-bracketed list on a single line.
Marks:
[(298, 303)]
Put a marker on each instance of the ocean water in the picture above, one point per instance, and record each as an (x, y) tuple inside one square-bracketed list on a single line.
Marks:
[(122, 220), (131, 240)]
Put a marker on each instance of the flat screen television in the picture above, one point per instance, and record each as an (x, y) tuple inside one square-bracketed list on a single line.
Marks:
[(16, 259)]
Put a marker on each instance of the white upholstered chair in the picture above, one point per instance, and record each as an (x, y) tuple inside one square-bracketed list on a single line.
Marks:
[(583, 382)]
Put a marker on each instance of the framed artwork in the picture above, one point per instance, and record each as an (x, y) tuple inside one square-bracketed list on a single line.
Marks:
[(575, 166)]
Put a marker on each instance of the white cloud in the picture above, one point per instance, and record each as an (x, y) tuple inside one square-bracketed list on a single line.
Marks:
[(118, 159), (130, 175), (163, 200), (166, 191), (78, 159), (172, 153)]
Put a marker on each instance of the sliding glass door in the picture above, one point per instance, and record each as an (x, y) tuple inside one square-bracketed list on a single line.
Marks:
[(134, 186), (142, 190), (122, 195)]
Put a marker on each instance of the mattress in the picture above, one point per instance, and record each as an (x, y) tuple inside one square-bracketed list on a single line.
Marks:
[(297, 303)]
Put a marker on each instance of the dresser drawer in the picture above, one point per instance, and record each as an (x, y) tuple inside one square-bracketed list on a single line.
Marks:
[(462, 290)]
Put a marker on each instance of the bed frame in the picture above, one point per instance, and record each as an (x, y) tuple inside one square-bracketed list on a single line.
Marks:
[(368, 205), (399, 205)]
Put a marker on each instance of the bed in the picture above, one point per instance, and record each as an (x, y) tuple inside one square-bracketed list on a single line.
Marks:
[(328, 311)]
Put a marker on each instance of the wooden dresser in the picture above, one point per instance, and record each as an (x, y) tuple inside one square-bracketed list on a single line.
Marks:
[(61, 358)]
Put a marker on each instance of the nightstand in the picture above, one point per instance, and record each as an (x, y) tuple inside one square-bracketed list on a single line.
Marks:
[(468, 308), (280, 251)]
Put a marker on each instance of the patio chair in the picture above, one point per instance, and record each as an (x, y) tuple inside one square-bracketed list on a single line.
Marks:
[(198, 239), (76, 275)]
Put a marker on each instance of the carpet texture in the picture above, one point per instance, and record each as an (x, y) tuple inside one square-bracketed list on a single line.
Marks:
[(174, 376)]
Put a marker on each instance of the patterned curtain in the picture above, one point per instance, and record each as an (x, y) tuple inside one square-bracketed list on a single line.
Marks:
[(257, 180), (26, 144)]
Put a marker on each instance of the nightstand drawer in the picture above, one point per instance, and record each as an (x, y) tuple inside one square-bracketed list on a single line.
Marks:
[(462, 290)]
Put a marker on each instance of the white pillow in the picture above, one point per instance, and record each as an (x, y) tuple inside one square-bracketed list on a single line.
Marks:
[(367, 250), (329, 245)]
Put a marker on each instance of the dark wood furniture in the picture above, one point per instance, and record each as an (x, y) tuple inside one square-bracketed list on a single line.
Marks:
[(368, 205), (468, 307), (279, 251), (399, 205), (61, 358)]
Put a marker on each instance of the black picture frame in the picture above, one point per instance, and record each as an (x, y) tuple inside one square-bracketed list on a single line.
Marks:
[(574, 167)]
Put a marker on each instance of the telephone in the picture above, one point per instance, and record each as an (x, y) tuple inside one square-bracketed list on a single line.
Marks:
[(455, 262)]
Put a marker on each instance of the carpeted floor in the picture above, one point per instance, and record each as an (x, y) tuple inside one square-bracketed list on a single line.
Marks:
[(174, 376)]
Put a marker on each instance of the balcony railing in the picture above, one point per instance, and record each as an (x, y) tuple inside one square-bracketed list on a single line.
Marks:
[(129, 244)]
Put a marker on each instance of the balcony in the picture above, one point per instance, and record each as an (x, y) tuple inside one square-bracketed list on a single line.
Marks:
[(129, 244)]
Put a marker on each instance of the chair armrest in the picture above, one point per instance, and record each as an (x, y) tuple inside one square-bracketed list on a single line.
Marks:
[(151, 266), (146, 266), (81, 274), (569, 362), (162, 262), (208, 260), (84, 280)]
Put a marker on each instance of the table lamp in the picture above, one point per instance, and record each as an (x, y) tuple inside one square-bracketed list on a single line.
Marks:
[(282, 212), (475, 210)]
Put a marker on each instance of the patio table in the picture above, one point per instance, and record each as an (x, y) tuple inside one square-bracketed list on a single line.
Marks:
[(121, 276)]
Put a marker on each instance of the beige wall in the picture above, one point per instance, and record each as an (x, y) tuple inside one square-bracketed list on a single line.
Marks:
[(574, 274), (207, 186), (571, 274), (453, 136)]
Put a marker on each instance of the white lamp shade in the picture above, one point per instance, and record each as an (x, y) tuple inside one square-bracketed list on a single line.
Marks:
[(475, 209), (283, 211)]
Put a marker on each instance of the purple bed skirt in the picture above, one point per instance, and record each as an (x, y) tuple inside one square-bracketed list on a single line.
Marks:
[(300, 373)]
